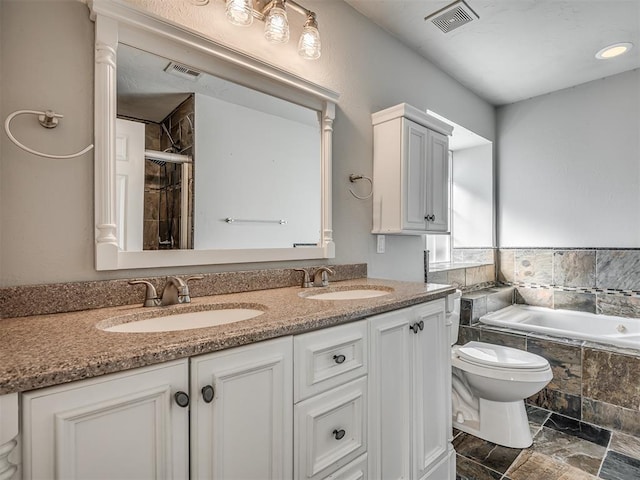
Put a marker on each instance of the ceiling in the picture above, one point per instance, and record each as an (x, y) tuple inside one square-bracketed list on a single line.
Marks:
[(517, 49)]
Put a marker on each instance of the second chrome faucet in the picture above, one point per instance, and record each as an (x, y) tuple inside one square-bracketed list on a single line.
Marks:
[(320, 277)]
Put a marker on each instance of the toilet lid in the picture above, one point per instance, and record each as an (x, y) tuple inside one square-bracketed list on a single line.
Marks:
[(498, 356)]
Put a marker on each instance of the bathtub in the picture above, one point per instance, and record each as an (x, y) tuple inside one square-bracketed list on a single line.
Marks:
[(617, 331)]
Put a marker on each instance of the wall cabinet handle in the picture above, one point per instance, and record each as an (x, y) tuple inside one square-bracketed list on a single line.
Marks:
[(339, 358), (339, 434), (182, 399), (207, 393)]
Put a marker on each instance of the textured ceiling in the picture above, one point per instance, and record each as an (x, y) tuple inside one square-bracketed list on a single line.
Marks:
[(518, 48)]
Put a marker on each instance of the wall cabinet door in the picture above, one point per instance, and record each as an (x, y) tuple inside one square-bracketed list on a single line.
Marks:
[(245, 429), (409, 393), (415, 151), (123, 426), (437, 178)]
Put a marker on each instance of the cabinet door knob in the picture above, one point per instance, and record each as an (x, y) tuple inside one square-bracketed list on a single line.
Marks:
[(207, 393), (421, 325), (339, 358), (182, 399), (338, 434), (430, 218), (415, 327)]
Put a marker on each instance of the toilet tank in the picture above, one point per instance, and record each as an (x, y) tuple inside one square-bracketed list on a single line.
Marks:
[(453, 314)]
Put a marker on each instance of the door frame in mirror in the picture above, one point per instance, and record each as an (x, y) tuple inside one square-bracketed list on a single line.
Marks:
[(117, 22)]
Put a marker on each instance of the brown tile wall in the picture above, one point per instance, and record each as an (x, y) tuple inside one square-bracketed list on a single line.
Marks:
[(598, 280)]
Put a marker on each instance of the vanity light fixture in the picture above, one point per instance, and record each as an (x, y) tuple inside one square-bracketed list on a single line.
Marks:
[(276, 28), (614, 50)]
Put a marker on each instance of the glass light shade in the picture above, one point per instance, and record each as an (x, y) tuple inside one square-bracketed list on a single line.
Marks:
[(276, 27), (239, 12), (309, 44)]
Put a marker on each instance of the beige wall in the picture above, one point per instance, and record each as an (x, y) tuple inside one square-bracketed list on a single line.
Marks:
[(46, 223)]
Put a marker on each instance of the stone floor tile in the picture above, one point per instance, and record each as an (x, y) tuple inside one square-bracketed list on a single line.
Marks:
[(492, 456), (531, 465), (467, 469), (569, 450), (625, 444), (585, 431), (620, 467)]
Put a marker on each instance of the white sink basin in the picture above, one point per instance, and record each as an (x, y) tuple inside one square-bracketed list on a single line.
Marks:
[(186, 321), (355, 294)]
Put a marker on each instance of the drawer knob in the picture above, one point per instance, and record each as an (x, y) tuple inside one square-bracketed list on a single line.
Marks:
[(421, 325), (339, 358), (207, 393), (182, 399), (339, 434), (415, 327)]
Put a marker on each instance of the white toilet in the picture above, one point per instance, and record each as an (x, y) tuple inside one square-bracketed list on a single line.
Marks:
[(490, 383)]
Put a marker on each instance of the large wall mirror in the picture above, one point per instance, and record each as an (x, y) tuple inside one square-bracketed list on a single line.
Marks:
[(203, 155)]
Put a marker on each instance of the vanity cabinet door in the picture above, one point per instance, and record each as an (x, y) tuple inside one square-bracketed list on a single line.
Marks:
[(390, 388), (121, 426), (242, 413), (431, 379), (410, 394)]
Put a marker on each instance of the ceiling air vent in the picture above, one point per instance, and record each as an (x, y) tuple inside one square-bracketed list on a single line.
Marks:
[(182, 71), (452, 16)]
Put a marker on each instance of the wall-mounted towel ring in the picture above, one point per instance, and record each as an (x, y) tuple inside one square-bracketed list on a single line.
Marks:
[(354, 178), (48, 119)]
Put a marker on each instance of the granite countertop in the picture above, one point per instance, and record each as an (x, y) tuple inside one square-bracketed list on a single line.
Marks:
[(45, 350)]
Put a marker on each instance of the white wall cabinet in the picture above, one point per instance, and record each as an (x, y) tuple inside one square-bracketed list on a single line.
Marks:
[(409, 381), (410, 172)]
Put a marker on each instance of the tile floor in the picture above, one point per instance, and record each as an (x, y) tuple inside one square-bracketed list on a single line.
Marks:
[(563, 449)]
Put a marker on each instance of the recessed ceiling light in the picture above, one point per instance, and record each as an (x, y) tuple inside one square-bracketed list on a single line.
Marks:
[(614, 50)]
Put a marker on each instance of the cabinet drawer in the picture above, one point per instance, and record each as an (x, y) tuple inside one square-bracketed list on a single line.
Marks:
[(356, 470), (330, 357), (331, 430)]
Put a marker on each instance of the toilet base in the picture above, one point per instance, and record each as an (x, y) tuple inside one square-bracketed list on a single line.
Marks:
[(503, 423)]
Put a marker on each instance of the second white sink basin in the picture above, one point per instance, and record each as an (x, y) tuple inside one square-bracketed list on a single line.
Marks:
[(186, 321), (355, 294)]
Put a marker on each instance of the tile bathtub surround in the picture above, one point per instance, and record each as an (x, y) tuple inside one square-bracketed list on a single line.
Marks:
[(563, 449), (477, 303), (28, 300), (596, 280), (465, 276)]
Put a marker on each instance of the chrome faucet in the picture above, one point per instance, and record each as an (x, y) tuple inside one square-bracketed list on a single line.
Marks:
[(321, 276), (176, 290)]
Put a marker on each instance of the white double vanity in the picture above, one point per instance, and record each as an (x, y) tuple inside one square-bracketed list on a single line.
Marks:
[(358, 394)]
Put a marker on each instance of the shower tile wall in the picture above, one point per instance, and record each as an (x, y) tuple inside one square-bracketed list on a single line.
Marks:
[(162, 201), (605, 281)]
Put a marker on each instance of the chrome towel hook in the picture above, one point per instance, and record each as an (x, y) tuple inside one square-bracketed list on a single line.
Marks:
[(354, 178), (48, 119)]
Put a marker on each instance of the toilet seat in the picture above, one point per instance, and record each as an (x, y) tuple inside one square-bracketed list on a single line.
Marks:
[(531, 367), (499, 356)]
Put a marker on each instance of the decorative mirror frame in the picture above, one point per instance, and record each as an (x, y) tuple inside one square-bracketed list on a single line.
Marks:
[(117, 22)]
